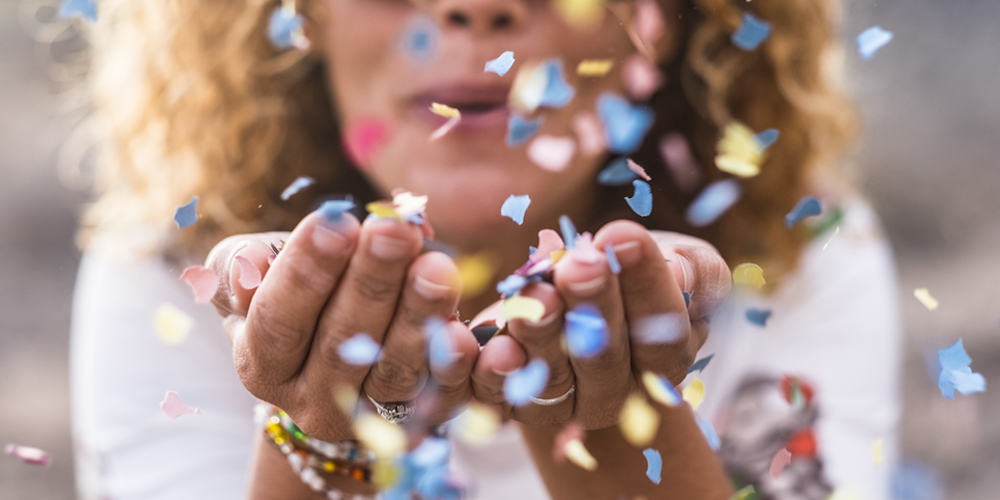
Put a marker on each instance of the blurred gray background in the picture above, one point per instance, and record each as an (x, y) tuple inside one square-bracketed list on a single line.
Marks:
[(928, 161)]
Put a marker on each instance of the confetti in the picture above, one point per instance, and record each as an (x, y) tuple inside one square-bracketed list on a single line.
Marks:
[(749, 274), (552, 153), (359, 350), (171, 324), (419, 39), (661, 390), (594, 67), (549, 240), (453, 115), (737, 166), (808, 206), (616, 173), (609, 252), (476, 271), (713, 202), (924, 296), (526, 308), (444, 110), (745, 493), (386, 439), (872, 39), (700, 365), (511, 285), (641, 77), (519, 129), (758, 317), (654, 464), (203, 282), (557, 92), (740, 153), (284, 28), (709, 432), (363, 139), (577, 453), (767, 138), (687, 299), (27, 454), (677, 155), (568, 232), (635, 167), (249, 274), (624, 125), (586, 331), (186, 215), (877, 453), (525, 383), (665, 328), (639, 421), (641, 201), (514, 207), (440, 346), (580, 13), (476, 425), (956, 373), (589, 133), (694, 393), (86, 9), (781, 460), (836, 231), (500, 65), (572, 431), (333, 210), (296, 186), (174, 408), (648, 22), (751, 33)]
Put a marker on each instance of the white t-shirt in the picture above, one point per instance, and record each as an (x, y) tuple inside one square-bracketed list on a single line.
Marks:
[(835, 324)]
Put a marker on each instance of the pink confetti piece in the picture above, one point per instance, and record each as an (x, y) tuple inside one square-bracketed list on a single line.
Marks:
[(781, 460), (648, 22), (364, 138), (444, 129), (641, 77), (548, 241), (635, 167), (249, 274), (572, 432), (589, 133), (27, 454), (173, 407), (203, 282), (677, 155), (552, 153)]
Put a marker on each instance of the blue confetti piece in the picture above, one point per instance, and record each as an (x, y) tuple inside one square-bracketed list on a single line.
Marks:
[(511, 285), (359, 350), (186, 215), (283, 27), (674, 398), (616, 173), (916, 481), (557, 92), (713, 202), (758, 316), (440, 347), (641, 201), (296, 186), (586, 331), (654, 465), (500, 65), (767, 138), (333, 210), (872, 39), (806, 207), (419, 40), (568, 232), (752, 32), (514, 207), (625, 125), (709, 432), (687, 299), (519, 129), (956, 374), (525, 383), (86, 9), (700, 365), (432, 451), (609, 252)]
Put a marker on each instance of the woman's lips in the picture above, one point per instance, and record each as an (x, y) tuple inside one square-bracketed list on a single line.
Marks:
[(483, 109)]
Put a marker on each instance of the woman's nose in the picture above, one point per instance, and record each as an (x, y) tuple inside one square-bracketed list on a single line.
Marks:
[(481, 16)]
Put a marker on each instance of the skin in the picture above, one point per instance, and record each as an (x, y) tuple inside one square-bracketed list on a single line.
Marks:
[(337, 277)]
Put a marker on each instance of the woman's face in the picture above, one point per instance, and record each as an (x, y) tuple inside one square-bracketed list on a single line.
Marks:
[(469, 172)]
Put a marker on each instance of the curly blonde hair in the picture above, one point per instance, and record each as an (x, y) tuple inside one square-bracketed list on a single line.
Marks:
[(193, 100)]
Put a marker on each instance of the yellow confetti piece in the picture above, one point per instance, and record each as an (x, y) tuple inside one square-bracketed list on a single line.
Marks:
[(836, 231), (594, 67), (556, 255), (476, 425), (384, 474), (924, 296), (445, 110), (749, 274), (171, 324), (407, 203), (578, 454), (581, 13), (877, 453), (387, 440), (737, 166), (383, 210), (738, 140), (656, 389), (639, 421), (519, 307), (744, 493), (476, 271), (694, 393)]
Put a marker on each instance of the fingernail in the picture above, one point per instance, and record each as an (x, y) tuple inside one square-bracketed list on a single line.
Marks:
[(587, 287), (584, 252), (430, 290), (627, 253), (388, 248), (501, 372), (688, 273), (329, 234), (544, 321)]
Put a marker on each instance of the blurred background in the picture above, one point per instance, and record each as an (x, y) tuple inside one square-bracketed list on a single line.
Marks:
[(928, 161)]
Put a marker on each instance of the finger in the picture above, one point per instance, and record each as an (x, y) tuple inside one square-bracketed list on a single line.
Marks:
[(432, 289), (283, 313), (706, 276), (500, 356), (453, 387), (603, 379), (655, 308), (231, 297)]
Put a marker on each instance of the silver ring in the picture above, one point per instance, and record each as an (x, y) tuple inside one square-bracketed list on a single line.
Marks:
[(396, 412), (554, 401)]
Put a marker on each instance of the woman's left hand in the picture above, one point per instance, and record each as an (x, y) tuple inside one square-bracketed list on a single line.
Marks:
[(650, 328)]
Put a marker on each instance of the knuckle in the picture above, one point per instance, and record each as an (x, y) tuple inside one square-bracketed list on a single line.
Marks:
[(309, 278), (396, 376), (612, 359), (270, 330), (374, 288)]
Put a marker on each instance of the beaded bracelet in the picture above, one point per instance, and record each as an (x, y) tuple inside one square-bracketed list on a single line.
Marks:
[(310, 465)]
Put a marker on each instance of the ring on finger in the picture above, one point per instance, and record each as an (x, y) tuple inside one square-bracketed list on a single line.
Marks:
[(397, 412), (554, 401)]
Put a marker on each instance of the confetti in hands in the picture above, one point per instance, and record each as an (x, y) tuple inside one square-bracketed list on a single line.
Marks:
[(174, 408), (956, 374), (525, 383), (203, 282), (359, 350), (27, 454)]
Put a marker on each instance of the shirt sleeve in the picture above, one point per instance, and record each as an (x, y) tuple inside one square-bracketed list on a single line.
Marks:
[(126, 447)]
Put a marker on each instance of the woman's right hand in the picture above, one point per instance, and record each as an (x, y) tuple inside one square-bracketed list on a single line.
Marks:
[(335, 278)]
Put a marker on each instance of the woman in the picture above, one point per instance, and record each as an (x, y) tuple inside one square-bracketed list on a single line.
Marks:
[(195, 101)]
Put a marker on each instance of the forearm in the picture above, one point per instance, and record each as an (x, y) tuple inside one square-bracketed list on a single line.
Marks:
[(272, 477), (690, 467)]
